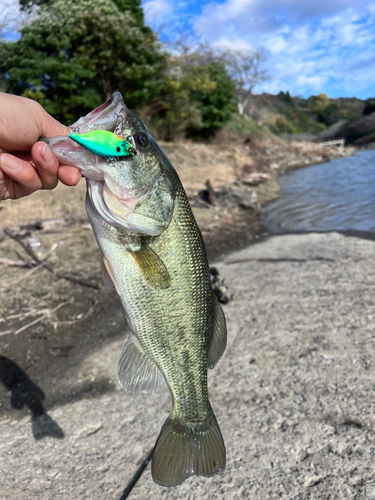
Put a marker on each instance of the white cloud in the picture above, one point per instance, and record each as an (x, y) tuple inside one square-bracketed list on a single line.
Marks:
[(232, 44), (158, 13), (322, 47), (264, 16), (158, 9)]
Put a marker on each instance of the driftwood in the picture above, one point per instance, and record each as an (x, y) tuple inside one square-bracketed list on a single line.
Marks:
[(47, 267), (207, 197), (48, 225)]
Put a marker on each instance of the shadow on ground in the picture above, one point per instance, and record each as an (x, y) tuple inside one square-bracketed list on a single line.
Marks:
[(24, 392)]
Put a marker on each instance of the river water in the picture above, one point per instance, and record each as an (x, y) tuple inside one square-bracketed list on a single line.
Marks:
[(334, 196)]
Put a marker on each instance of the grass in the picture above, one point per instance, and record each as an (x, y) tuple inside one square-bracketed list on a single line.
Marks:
[(43, 205)]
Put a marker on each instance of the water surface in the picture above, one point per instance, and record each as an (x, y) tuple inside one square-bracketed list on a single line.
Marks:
[(334, 196)]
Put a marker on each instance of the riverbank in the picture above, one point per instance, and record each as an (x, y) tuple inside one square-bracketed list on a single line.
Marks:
[(43, 317), (292, 394)]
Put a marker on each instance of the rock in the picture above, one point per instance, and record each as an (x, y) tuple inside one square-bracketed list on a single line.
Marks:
[(220, 289), (255, 178), (352, 130), (244, 198), (333, 132)]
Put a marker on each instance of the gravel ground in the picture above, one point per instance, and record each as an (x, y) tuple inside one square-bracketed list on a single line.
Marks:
[(293, 393)]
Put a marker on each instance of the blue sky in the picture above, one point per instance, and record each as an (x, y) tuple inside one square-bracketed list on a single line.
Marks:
[(312, 47)]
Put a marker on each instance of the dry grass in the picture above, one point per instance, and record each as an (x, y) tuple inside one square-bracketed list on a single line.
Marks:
[(27, 294), (43, 205)]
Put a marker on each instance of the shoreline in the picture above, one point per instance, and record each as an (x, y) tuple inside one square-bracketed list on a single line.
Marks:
[(227, 237)]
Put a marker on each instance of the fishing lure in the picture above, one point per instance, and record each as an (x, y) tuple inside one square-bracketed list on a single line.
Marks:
[(105, 144)]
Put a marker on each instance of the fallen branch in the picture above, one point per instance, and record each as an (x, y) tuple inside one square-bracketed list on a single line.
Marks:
[(38, 320), (46, 225), (84, 316), (21, 278), (24, 315), (15, 263), (48, 268)]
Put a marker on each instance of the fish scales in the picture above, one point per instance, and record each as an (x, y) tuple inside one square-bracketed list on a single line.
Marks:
[(175, 331), (153, 253)]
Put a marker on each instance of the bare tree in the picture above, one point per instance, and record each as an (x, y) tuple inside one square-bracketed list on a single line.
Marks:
[(187, 50), (245, 67), (12, 18)]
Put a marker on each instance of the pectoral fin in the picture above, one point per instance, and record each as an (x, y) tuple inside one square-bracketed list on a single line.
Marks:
[(219, 336), (152, 267), (137, 373), (106, 273)]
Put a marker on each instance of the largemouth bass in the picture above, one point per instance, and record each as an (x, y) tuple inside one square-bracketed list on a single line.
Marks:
[(153, 254)]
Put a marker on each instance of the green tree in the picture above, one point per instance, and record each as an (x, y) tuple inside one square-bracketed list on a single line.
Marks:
[(369, 106), (330, 114), (77, 52), (217, 102), (321, 102), (287, 98), (132, 6), (197, 96)]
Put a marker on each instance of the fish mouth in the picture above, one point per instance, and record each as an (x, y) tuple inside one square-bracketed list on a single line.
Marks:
[(108, 116), (115, 203)]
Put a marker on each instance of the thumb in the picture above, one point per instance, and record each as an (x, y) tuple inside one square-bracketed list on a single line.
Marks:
[(51, 127)]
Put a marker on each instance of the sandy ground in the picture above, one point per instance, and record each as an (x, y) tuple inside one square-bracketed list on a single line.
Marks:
[(293, 393)]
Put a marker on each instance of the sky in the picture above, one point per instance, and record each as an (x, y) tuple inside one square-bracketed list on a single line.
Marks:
[(311, 47)]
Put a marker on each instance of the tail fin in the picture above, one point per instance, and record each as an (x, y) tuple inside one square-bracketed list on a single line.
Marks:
[(182, 451)]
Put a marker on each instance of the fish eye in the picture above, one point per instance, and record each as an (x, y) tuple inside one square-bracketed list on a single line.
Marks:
[(142, 140), (118, 149), (132, 151)]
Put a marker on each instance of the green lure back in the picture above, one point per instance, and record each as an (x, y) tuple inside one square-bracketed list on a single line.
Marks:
[(104, 143)]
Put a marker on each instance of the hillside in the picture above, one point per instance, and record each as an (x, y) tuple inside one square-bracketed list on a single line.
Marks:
[(286, 114)]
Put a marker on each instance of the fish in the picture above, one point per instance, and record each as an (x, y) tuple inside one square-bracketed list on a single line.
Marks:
[(104, 143), (153, 254)]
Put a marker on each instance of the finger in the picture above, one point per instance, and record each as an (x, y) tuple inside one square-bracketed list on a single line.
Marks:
[(70, 176), (52, 127), (23, 174), (46, 164)]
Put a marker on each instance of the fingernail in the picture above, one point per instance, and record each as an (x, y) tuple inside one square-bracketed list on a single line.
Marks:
[(10, 162), (47, 155)]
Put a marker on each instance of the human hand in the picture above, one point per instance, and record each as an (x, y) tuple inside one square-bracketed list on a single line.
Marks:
[(25, 164)]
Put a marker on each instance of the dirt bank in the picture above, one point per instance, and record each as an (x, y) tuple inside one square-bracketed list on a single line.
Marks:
[(293, 392)]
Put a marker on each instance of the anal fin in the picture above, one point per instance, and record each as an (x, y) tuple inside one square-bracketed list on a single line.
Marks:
[(137, 373), (152, 267), (218, 341)]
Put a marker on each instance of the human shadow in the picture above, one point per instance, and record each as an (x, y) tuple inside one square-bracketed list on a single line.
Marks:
[(23, 392)]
